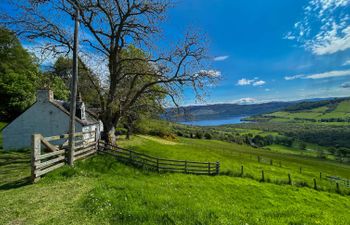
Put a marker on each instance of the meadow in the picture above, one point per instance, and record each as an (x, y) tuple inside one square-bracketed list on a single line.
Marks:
[(100, 190)]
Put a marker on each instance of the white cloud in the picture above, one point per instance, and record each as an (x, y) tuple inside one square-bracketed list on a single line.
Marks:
[(329, 74), (294, 77), (246, 101), (254, 82), (244, 82), (267, 89), (221, 58), (345, 85), (325, 27), (346, 63), (330, 42), (259, 83)]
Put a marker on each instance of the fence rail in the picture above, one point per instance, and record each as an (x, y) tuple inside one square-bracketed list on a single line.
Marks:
[(47, 156), (159, 164)]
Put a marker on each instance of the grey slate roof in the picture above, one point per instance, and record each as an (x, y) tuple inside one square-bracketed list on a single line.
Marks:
[(90, 117)]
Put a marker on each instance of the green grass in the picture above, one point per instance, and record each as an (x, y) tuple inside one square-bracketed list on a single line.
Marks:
[(341, 111), (100, 190)]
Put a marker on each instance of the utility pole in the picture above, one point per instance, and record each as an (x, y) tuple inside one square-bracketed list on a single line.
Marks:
[(74, 87)]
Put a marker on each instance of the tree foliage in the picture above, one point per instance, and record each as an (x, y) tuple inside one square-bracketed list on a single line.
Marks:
[(19, 76), (62, 69)]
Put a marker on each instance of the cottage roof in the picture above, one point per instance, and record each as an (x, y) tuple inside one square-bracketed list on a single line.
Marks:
[(90, 117)]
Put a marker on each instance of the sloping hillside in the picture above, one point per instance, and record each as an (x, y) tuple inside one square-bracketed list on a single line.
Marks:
[(322, 111), (100, 190), (222, 111)]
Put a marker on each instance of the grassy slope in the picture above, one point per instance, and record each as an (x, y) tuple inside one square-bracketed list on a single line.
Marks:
[(101, 191), (341, 111)]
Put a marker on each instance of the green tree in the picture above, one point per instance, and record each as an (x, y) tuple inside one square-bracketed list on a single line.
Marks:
[(19, 76), (63, 69)]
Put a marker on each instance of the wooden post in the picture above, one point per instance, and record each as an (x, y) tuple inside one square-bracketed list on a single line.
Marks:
[(217, 168), (300, 169), (289, 179), (74, 88), (158, 165), (186, 166), (271, 163), (242, 171), (338, 189), (262, 176), (315, 184), (320, 175), (36, 151), (209, 168)]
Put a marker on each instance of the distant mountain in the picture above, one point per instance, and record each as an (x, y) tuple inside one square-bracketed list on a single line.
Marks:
[(222, 111), (226, 111)]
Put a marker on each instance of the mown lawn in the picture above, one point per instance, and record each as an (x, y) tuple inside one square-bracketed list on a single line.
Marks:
[(100, 190)]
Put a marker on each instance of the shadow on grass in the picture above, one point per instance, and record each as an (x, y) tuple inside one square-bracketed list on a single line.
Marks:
[(14, 169), (16, 184)]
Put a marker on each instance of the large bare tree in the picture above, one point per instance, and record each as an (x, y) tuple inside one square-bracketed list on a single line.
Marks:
[(109, 27)]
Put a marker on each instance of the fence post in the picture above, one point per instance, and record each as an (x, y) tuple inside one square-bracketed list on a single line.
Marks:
[(258, 158), (130, 157), (289, 179), (280, 164), (186, 166), (217, 168), (262, 176), (300, 169), (338, 189), (158, 165), (242, 171), (209, 168), (271, 163), (315, 184), (320, 175), (36, 151)]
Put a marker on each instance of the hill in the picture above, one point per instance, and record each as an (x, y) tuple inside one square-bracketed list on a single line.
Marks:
[(222, 111), (335, 110), (100, 190)]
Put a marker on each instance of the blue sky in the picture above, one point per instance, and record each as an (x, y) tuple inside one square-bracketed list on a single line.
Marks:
[(270, 50), (265, 50)]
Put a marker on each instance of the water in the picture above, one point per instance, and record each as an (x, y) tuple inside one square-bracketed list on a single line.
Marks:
[(233, 120)]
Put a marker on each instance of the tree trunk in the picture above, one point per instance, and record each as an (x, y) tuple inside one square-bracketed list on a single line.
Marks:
[(109, 132), (128, 132)]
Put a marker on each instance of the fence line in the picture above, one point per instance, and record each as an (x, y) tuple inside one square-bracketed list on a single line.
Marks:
[(159, 164), (54, 156)]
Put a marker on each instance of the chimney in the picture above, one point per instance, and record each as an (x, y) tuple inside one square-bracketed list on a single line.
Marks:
[(44, 95), (80, 110)]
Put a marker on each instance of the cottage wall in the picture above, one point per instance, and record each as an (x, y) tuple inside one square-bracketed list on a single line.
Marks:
[(42, 117)]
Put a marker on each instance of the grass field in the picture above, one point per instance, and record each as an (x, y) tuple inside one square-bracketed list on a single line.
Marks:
[(342, 111), (100, 190)]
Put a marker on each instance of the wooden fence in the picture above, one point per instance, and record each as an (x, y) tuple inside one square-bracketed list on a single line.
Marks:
[(47, 155), (345, 182), (159, 164)]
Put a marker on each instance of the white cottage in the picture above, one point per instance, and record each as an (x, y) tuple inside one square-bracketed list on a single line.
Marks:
[(48, 117)]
